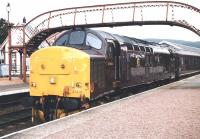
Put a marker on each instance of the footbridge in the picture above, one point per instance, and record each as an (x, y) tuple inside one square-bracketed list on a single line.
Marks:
[(31, 35)]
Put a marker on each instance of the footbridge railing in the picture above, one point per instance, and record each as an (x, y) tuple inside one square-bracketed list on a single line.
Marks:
[(120, 14)]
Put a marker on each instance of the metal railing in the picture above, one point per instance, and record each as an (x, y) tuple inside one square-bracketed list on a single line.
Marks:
[(139, 13)]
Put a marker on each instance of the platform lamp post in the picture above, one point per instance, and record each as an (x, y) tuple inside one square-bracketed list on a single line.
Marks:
[(24, 52), (8, 9)]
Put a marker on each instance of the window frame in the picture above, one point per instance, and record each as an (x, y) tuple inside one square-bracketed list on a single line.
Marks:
[(96, 37), (84, 38), (65, 42)]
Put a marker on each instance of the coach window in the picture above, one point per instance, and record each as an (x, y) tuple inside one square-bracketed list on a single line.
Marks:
[(93, 41), (62, 40)]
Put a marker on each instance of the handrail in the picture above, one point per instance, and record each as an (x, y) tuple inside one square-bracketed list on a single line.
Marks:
[(106, 15)]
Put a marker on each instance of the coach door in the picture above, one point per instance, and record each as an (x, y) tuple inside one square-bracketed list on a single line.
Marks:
[(113, 63)]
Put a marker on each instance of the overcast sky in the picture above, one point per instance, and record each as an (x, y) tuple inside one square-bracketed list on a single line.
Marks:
[(32, 8)]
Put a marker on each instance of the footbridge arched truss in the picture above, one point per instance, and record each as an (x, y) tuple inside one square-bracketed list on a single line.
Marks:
[(33, 33)]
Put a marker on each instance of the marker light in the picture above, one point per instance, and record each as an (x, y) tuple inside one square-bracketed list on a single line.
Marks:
[(78, 85)]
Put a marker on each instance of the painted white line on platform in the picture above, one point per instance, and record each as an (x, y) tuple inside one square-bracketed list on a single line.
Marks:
[(18, 91)]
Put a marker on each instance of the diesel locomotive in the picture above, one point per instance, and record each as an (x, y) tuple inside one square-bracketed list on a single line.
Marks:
[(85, 64)]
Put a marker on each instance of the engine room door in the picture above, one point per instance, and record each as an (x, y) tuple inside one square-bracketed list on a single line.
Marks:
[(113, 63), (177, 66), (172, 65)]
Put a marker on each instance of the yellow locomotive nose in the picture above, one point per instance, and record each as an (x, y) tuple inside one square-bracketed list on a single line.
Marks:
[(60, 71)]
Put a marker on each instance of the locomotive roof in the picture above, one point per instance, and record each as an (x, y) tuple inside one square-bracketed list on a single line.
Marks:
[(120, 38), (133, 41), (160, 49), (182, 49)]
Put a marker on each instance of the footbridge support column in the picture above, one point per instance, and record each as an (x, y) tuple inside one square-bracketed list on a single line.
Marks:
[(24, 64), (9, 53)]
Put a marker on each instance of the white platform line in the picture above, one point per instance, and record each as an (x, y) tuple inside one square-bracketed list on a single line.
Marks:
[(6, 93)]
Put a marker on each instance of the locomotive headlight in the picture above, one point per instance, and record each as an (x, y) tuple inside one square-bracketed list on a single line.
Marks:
[(78, 85), (52, 80)]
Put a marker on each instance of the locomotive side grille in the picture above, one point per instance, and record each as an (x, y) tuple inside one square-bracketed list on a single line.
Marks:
[(98, 73), (101, 76)]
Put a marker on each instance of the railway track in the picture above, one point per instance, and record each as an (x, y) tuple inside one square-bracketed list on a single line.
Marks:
[(13, 112), (15, 121), (13, 117)]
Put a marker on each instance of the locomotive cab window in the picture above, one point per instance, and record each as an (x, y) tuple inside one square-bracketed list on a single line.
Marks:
[(62, 41), (93, 41), (73, 38), (77, 37)]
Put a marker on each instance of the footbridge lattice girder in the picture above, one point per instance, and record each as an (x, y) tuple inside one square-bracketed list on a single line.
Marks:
[(33, 33)]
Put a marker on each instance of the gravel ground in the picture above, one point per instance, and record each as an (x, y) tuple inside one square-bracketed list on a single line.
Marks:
[(169, 112)]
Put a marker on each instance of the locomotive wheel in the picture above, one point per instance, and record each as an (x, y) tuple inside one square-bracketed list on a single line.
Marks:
[(40, 115), (60, 113), (86, 106), (85, 103), (37, 116)]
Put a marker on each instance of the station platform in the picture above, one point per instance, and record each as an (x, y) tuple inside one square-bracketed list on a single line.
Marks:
[(14, 86), (170, 111)]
